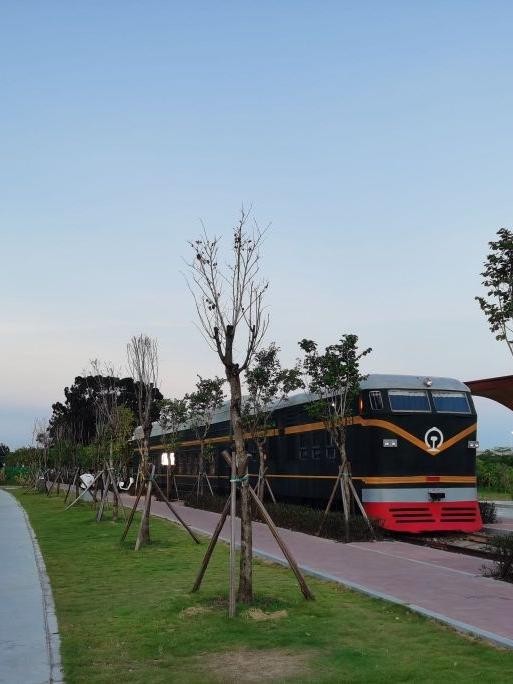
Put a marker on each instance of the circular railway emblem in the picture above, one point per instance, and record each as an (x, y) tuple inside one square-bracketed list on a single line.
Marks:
[(434, 439)]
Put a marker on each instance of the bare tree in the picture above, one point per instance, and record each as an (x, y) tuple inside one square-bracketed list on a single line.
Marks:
[(142, 354), (41, 441), (229, 303), (114, 426)]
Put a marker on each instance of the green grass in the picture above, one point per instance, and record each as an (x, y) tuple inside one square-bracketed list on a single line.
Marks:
[(492, 495), (120, 615)]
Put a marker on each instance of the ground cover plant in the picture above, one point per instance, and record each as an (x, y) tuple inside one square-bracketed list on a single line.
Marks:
[(299, 518), (492, 495), (502, 546), (130, 617), (488, 512)]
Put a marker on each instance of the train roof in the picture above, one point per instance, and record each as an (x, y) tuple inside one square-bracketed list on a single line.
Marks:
[(380, 381), (372, 381)]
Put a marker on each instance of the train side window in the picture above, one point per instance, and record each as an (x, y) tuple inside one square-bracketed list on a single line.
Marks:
[(411, 401), (450, 402), (330, 446), (376, 400), (317, 444), (304, 444)]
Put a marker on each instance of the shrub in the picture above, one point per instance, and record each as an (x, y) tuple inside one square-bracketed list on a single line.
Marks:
[(502, 547), (297, 518), (488, 512), (495, 472)]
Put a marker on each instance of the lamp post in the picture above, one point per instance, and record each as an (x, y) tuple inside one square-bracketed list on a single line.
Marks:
[(167, 460)]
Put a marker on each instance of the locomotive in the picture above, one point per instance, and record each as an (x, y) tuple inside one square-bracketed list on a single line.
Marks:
[(411, 442)]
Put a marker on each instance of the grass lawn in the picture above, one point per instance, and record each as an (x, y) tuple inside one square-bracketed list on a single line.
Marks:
[(492, 495), (129, 617)]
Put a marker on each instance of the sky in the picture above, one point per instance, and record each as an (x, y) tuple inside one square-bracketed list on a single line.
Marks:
[(375, 139)]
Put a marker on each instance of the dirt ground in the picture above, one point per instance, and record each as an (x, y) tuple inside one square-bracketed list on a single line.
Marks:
[(271, 665)]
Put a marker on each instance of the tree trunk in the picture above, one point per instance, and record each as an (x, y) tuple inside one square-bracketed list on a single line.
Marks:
[(144, 530), (115, 502), (201, 466), (245, 592), (261, 471), (344, 487)]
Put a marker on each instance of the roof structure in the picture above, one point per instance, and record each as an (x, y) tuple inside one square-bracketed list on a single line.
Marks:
[(372, 381), (498, 389)]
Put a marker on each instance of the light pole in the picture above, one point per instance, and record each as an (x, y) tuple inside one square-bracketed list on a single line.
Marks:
[(167, 460)]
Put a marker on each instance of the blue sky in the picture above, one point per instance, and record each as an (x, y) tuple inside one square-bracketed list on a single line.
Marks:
[(376, 137)]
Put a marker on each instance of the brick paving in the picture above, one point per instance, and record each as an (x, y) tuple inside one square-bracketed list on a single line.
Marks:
[(443, 585)]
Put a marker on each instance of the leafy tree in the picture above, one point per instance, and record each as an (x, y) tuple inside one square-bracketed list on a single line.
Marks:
[(4, 452), (173, 414), (79, 410), (334, 377), (268, 384), (202, 404), (497, 305)]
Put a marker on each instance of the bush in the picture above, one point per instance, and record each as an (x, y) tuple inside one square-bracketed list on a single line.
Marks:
[(495, 472), (297, 518), (502, 547), (488, 512)]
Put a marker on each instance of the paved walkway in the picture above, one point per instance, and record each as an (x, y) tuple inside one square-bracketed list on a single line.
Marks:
[(29, 647), (446, 586)]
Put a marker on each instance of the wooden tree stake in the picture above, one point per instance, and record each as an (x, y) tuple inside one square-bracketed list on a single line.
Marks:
[(54, 482), (211, 545), (146, 510), (134, 508), (105, 493), (71, 484), (82, 493), (233, 512), (116, 490), (174, 512), (290, 559)]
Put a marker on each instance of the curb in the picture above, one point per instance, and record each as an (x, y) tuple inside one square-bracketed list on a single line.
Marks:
[(462, 627)]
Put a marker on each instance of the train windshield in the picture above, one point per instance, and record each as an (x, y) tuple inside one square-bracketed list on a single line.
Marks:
[(451, 402), (409, 400)]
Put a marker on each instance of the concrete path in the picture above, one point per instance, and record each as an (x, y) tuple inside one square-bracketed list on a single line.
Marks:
[(29, 642), (446, 586), (504, 510)]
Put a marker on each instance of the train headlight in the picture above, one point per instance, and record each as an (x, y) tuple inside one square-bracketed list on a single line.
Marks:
[(472, 444), (389, 443)]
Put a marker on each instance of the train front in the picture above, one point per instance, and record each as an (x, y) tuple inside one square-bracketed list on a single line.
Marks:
[(417, 454)]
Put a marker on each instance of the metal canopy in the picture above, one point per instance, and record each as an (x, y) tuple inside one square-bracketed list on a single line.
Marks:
[(498, 389)]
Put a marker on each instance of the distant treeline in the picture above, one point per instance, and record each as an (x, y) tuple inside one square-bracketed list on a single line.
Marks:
[(495, 470)]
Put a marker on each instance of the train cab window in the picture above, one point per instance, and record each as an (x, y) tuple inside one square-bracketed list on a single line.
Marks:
[(413, 401), (451, 402), (376, 400)]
